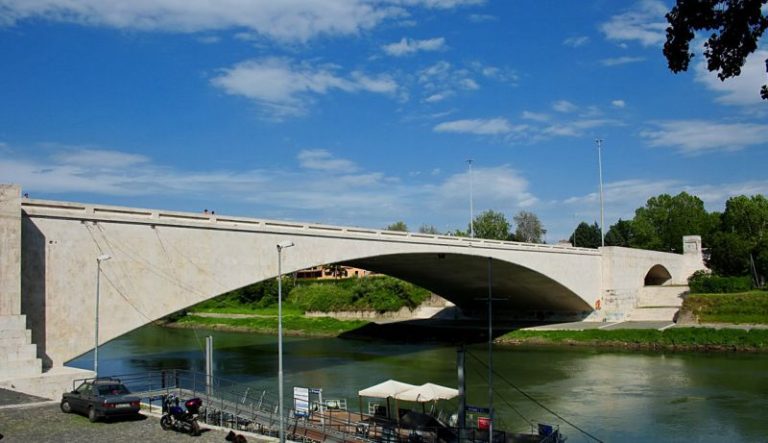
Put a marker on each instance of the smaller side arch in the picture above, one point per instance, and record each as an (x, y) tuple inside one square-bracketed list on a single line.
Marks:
[(657, 276)]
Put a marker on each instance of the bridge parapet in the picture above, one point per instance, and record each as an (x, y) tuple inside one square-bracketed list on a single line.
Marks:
[(95, 213)]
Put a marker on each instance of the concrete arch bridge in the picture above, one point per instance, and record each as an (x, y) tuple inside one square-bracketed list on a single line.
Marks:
[(164, 261)]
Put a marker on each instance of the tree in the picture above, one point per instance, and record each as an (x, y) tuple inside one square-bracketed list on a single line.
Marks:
[(729, 254), (664, 220), (620, 234), (743, 238), (735, 25), (397, 226), (529, 228), (491, 225), (428, 229), (586, 236)]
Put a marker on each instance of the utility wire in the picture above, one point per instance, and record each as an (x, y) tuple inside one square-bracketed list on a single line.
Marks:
[(483, 376), (541, 405)]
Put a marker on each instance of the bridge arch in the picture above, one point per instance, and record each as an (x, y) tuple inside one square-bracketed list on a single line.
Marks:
[(163, 261), (657, 276)]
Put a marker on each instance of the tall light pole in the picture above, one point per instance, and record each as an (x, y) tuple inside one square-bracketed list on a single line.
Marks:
[(99, 259), (471, 202), (600, 169), (280, 246)]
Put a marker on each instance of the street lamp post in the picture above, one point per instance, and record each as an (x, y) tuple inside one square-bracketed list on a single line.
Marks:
[(600, 169), (99, 259), (280, 247), (471, 203)]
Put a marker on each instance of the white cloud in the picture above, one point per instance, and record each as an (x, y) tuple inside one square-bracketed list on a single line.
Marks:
[(481, 18), (644, 23), (441, 80), (88, 157), (435, 98), (440, 4), (699, 136), (621, 61), (743, 90), (294, 20), (576, 41), (576, 128), (322, 160), (535, 116), (618, 103), (564, 106), (284, 88), (501, 188), (407, 46), (297, 20), (494, 126)]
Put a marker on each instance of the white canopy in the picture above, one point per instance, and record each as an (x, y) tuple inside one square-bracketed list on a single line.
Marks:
[(427, 392), (389, 388)]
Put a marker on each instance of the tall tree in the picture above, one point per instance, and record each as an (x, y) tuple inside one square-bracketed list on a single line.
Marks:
[(397, 226), (491, 225), (734, 28), (740, 247), (586, 235), (620, 234), (428, 229), (528, 227), (664, 220)]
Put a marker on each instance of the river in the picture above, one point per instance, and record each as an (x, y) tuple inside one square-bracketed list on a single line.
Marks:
[(616, 396)]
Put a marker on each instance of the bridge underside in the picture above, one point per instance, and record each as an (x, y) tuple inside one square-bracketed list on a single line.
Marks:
[(463, 280)]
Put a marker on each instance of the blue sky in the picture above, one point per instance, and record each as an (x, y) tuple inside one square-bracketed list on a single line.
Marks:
[(364, 112)]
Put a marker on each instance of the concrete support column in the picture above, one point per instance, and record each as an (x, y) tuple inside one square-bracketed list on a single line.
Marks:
[(10, 250)]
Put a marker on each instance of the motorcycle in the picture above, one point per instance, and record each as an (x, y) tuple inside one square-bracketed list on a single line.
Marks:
[(180, 420)]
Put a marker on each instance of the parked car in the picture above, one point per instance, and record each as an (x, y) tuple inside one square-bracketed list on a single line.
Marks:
[(101, 398)]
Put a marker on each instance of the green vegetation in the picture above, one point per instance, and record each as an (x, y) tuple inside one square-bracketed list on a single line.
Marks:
[(377, 293), (702, 282), (742, 308), (675, 338), (292, 324)]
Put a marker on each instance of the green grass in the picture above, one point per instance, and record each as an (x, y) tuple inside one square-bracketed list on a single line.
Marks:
[(683, 338), (740, 308), (292, 324), (236, 308)]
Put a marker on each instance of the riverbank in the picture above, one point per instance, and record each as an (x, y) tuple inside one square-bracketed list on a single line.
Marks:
[(296, 325), (673, 339), (714, 338)]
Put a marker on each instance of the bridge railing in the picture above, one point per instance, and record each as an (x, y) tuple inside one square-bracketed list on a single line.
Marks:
[(58, 209)]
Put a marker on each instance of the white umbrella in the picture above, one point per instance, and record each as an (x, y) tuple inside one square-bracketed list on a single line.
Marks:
[(427, 392)]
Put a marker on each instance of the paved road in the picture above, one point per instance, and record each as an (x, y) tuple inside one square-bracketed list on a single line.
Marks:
[(25, 419)]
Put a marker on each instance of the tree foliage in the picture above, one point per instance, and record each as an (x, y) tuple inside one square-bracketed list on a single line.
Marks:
[(491, 225), (586, 235), (735, 25), (664, 220), (742, 240), (620, 234), (528, 227), (428, 229), (397, 226)]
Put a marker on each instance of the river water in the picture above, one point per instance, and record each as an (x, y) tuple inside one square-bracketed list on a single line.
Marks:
[(616, 396)]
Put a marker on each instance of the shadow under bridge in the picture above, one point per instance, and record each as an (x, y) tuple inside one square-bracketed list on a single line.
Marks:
[(518, 291)]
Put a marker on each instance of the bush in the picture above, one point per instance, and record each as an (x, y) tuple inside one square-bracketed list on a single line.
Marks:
[(702, 282)]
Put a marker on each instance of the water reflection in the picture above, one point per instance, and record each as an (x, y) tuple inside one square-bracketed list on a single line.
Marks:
[(618, 396)]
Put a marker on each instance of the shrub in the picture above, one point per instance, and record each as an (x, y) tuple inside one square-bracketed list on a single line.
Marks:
[(702, 282)]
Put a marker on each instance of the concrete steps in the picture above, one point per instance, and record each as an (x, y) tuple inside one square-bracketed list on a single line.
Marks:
[(18, 356)]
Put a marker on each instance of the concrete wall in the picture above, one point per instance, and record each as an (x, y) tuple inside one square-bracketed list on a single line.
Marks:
[(10, 250)]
